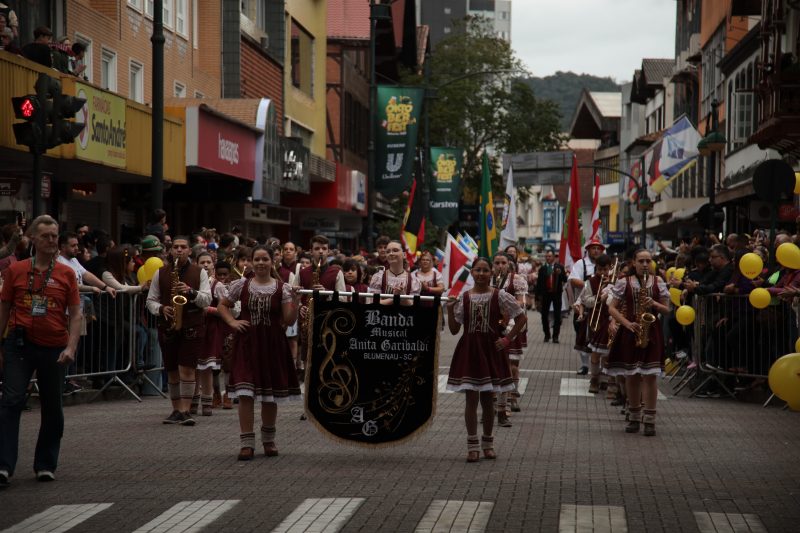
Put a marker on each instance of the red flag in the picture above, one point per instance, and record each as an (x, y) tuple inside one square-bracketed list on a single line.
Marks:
[(596, 209), (458, 283), (571, 235), (454, 259)]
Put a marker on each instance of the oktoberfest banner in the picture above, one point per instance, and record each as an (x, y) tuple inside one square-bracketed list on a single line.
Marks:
[(445, 189), (372, 370), (398, 117)]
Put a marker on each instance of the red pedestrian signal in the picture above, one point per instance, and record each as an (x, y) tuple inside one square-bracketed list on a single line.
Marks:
[(25, 107)]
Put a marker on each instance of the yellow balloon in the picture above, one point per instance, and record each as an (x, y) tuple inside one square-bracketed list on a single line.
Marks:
[(759, 298), (797, 345), (684, 315), (151, 266), (797, 182), (670, 273), (788, 254), (653, 267), (679, 273), (784, 379), (141, 275), (675, 296), (750, 265)]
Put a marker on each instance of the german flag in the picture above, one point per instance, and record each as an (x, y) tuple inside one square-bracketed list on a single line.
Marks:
[(413, 232)]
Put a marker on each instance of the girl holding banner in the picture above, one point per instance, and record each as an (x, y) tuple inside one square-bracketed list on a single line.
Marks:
[(480, 366), (262, 368)]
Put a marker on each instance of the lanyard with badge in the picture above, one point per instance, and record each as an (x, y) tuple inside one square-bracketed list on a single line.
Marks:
[(38, 298)]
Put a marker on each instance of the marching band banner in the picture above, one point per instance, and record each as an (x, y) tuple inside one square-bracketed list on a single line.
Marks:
[(445, 187), (398, 117), (372, 369)]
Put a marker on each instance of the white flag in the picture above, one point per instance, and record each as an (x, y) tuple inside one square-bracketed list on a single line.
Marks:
[(509, 234)]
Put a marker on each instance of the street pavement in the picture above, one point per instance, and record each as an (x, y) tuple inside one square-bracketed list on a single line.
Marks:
[(565, 465)]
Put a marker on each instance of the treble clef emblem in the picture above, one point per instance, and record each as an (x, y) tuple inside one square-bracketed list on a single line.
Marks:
[(338, 387)]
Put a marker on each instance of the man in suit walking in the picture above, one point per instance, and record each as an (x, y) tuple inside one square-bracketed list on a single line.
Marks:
[(549, 287)]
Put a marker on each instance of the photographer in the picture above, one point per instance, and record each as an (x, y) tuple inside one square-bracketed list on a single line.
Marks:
[(37, 296)]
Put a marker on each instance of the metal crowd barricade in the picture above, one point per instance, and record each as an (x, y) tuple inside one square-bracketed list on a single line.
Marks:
[(118, 339), (734, 339)]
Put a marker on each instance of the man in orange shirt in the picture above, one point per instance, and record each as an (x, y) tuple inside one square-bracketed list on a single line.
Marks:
[(40, 305)]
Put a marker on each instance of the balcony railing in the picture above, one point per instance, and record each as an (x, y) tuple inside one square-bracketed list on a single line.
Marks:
[(779, 113)]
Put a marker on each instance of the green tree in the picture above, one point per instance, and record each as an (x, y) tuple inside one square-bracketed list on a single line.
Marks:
[(479, 106)]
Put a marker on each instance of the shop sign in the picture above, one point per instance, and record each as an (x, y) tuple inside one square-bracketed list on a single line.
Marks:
[(319, 223), (788, 212), (358, 190), (46, 187), (9, 186), (216, 144), (104, 138)]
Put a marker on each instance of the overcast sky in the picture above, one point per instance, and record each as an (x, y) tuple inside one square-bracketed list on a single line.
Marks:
[(600, 37)]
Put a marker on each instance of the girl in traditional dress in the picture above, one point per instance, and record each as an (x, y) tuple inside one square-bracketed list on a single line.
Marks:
[(208, 362), (395, 279), (635, 294), (262, 368), (480, 365), (506, 279)]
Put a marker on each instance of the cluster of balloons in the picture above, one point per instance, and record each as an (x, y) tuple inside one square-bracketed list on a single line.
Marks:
[(784, 378), (148, 270), (674, 292), (751, 265)]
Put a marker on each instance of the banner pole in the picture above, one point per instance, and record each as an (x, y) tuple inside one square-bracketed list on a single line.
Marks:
[(372, 295)]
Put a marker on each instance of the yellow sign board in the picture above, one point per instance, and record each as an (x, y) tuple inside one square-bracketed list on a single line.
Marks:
[(103, 140)]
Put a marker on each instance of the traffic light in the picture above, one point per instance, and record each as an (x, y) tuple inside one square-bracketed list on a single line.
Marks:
[(47, 116), (28, 133), (58, 109)]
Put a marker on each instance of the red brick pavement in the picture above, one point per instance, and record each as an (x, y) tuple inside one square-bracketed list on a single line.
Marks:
[(709, 455)]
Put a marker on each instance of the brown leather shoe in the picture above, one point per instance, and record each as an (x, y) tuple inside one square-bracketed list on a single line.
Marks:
[(226, 402), (246, 454), (216, 402), (270, 450)]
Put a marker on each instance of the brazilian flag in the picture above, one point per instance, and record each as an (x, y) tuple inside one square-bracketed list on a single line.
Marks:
[(488, 245)]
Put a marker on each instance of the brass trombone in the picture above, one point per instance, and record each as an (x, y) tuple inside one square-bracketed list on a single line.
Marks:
[(594, 320)]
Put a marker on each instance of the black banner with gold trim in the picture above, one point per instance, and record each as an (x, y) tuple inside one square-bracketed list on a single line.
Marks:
[(372, 369)]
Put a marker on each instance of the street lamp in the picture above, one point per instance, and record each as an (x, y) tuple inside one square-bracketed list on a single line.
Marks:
[(709, 146)]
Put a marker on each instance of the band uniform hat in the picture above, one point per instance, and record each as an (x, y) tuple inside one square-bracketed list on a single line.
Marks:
[(150, 243), (594, 242)]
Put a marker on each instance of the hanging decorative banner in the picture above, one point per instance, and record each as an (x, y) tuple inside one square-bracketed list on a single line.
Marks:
[(372, 369), (445, 189), (398, 117)]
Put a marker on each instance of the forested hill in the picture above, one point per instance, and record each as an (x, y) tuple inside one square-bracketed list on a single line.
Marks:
[(565, 88)]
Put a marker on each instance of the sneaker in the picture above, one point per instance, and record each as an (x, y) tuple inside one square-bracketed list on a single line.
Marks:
[(633, 427), (502, 420), (513, 404), (186, 419), (175, 418), (649, 429), (582, 371), (594, 388), (45, 475), (555, 341), (5, 479), (547, 339)]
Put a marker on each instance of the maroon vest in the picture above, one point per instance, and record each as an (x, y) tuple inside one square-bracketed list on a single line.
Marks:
[(190, 275), (385, 281), (493, 318), (285, 271), (327, 278)]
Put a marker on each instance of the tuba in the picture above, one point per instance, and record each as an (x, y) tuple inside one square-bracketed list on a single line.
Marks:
[(178, 300), (643, 318)]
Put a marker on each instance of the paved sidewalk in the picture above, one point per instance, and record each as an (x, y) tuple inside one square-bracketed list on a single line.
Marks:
[(565, 465)]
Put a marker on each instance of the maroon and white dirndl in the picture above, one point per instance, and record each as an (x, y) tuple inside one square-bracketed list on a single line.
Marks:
[(624, 357), (599, 338), (216, 331), (515, 285), (262, 365), (477, 364)]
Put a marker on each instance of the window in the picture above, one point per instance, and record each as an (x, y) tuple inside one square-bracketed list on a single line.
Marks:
[(198, 94), (136, 87), (447, 29), (447, 11), (168, 22), (87, 57), (180, 17), (302, 59), (149, 9), (741, 123), (304, 134), (135, 4), (195, 16), (180, 90), (108, 70)]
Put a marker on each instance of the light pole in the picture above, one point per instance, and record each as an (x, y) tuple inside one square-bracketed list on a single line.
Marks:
[(713, 143), (157, 127)]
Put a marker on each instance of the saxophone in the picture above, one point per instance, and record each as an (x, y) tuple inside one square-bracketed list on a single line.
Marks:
[(305, 322), (178, 300), (643, 318)]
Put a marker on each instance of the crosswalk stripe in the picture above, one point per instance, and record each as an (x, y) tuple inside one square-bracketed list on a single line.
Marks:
[(580, 387), (188, 516), (728, 523), (442, 385), (606, 518), (455, 515), (319, 515), (58, 518)]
